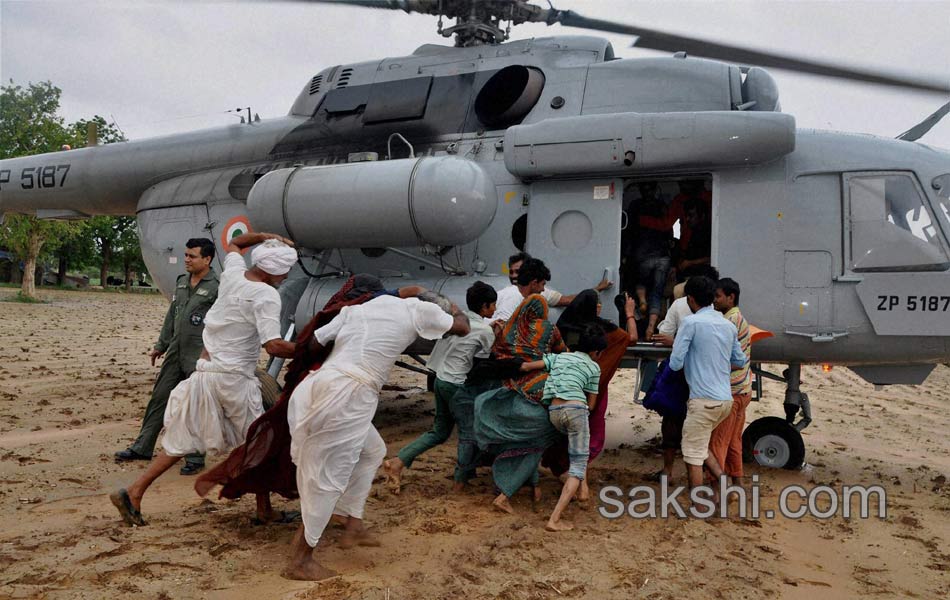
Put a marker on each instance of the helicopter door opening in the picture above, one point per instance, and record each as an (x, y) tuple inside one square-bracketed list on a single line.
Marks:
[(574, 227), (666, 237)]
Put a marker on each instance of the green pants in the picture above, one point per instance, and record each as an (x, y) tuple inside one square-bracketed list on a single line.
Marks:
[(442, 426), (463, 410), (169, 376)]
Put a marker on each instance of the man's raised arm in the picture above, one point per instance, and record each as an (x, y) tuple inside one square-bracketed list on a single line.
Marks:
[(252, 238)]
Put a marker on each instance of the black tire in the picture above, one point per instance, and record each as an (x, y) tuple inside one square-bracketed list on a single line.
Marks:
[(270, 389), (772, 442)]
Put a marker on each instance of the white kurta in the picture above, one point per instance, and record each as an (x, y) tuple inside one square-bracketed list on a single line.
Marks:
[(510, 298), (334, 444), (212, 409)]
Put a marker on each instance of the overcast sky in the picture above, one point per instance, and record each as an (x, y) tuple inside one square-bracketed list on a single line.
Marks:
[(159, 67)]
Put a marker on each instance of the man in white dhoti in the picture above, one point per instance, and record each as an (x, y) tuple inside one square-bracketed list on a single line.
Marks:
[(334, 444), (212, 409)]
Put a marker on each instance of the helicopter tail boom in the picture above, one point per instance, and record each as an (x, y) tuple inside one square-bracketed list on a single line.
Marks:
[(109, 180)]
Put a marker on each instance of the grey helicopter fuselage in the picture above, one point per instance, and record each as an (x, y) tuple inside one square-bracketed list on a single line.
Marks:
[(540, 161)]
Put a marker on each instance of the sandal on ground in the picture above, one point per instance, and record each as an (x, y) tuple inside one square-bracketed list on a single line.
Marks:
[(284, 516), (131, 515)]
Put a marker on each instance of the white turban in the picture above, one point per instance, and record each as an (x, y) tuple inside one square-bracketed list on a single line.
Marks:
[(273, 257)]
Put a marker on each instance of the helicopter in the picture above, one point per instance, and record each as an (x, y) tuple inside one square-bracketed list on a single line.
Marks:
[(433, 168)]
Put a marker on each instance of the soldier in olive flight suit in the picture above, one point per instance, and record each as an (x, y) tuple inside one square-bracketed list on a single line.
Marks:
[(180, 342)]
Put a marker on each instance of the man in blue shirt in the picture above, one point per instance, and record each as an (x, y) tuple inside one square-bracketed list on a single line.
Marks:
[(707, 346)]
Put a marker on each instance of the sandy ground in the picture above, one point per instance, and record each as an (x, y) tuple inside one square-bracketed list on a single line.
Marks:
[(74, 380)]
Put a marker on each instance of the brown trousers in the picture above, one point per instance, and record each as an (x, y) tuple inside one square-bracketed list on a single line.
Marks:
[(726, 441)]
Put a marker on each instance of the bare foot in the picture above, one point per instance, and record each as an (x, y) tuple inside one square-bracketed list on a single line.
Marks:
[(308, 570), (458, 487), (583, 494), (393, 469), (536, 499), (338, 520), (501, 503), (265, 511), (558, 526), (351, 539)]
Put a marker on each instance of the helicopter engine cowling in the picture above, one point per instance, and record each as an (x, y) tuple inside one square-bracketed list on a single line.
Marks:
[(629, 143), (440, 201)]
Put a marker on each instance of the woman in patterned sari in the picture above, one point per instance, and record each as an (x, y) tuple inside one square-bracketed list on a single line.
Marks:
[(510, 421)]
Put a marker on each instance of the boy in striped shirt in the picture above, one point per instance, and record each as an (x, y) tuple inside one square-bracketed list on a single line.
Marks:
[(726, 441), (570, 393)]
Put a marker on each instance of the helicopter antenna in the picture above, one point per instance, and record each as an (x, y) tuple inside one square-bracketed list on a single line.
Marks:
[(920, 130)]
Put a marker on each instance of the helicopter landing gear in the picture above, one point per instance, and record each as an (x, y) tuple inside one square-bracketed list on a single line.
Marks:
[(776, 442), (772, 442)]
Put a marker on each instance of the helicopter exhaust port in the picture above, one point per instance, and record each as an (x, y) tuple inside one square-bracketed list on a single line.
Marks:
[(442, 201), (509, 96)]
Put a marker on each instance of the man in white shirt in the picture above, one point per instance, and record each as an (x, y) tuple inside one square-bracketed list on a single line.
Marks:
[(212, 409), (333, 442), (510, 297), (451, 359), (671, 428)]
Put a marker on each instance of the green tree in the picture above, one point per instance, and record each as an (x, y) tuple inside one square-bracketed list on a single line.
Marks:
[(29, 125), (116, 239), (127, 249), (95, 236)]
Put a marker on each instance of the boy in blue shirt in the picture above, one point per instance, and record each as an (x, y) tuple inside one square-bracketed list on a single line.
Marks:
[(571, 393)]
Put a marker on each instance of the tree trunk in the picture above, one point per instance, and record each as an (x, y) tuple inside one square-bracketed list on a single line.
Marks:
[(61, 273), (104, 266), (128, 276), (28, 287)]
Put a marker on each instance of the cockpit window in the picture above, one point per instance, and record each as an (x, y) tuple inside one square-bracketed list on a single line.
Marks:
[(891, 227)]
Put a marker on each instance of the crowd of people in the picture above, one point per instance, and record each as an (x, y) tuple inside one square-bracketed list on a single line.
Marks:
[(522, 391)]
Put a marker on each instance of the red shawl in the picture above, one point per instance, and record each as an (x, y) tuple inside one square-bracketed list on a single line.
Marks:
[(262, 464)]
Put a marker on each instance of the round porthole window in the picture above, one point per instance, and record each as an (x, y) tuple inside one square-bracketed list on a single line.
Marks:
[(572, 231)]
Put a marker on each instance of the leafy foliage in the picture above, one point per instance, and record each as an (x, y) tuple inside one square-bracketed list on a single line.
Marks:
[(28, 120), (30, 124)]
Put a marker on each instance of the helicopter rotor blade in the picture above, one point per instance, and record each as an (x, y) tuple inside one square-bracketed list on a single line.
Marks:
[(920, 130), (408, 6), (668, 42)]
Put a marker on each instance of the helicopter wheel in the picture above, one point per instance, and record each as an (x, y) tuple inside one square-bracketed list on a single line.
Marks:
[(772, 442), (270, 389)]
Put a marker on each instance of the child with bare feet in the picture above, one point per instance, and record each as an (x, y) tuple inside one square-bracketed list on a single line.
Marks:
[(571, 393)]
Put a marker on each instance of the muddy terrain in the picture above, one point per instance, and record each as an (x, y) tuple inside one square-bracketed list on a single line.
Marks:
[(75, 378)]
